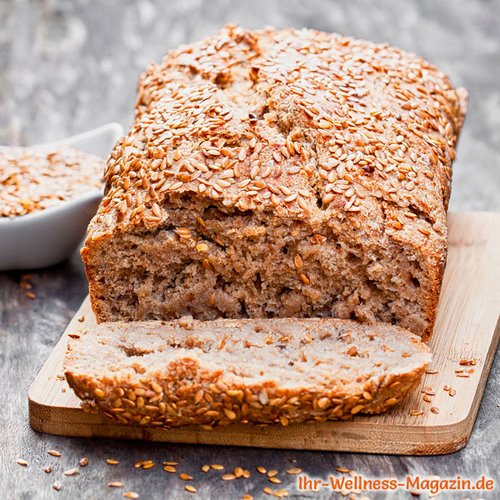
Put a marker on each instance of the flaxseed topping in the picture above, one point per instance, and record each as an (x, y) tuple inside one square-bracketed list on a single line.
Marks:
[(298, 122)]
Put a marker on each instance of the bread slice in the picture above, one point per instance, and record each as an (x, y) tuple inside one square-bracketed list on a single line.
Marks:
[(270, 371), (279, 173)]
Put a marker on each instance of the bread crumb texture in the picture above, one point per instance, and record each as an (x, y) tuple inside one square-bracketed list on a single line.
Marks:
[(268, 371)]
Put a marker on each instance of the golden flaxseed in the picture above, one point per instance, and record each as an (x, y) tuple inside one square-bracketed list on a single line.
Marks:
[(131, 494), (343, 470)]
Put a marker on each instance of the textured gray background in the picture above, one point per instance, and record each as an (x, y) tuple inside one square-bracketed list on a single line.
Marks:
[(66, 66)]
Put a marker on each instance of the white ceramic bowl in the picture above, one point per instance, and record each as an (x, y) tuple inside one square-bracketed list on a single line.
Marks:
[(48, 236)]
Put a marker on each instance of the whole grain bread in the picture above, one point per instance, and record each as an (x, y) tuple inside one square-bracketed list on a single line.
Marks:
[(279, 173), (168, 374)]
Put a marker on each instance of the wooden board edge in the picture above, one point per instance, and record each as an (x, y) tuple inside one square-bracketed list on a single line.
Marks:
[(452, 439), (448, 438), (437, 440)]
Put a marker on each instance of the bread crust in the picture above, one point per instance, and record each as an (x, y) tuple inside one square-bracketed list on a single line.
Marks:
[(196, 373), (351, 140)]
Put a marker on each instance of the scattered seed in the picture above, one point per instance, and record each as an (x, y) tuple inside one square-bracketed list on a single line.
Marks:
[(416, 413), (217, 467), (293, 471), (115, 484), (71, 472), (261, 469), (431, 371), (185, 477), (205, 468), (452, 392), (170, 463), (57, 486), (131, 494), (238, 472), (144, 464), (272, 473), (342, 470), (169, 468), (190, 488), (84, 461), (22, 462), (468, 362), (54, 453), (47, 469), (228, 477), (81, 319), (434, 410), (275, 480), (112, 461)]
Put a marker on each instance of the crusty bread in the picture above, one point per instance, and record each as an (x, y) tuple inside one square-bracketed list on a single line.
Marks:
[(260, 371), (279, 173)]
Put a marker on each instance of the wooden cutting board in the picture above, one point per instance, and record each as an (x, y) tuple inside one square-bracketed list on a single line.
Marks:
[(467, 328)]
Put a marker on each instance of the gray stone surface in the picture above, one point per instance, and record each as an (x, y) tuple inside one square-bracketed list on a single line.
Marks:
[(67, 66)]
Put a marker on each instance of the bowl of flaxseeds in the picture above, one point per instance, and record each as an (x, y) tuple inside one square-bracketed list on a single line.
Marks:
[(48, 194)]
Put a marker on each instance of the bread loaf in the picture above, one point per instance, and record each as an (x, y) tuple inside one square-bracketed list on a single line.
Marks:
[(279, 173), (270, 371)]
